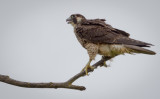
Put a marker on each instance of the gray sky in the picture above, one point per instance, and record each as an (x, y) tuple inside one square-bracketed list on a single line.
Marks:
[(37, 45)]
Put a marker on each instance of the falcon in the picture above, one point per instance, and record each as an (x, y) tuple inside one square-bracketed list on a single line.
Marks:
[(97, 37)]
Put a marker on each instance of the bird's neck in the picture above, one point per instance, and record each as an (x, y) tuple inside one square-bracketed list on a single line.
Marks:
[(76, 25)]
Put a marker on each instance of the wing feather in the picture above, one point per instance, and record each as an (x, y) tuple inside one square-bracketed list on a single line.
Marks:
[(103, 35)]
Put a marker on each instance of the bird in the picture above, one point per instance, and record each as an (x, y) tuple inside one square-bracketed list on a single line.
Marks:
[(98, 37)]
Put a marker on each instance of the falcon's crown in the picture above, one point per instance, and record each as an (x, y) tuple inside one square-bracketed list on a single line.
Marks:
[(75, 19)]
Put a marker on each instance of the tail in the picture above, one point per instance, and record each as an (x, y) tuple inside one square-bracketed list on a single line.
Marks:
[(138, 49)]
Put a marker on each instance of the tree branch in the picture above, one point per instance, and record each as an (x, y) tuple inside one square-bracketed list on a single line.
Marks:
[(68, 84)]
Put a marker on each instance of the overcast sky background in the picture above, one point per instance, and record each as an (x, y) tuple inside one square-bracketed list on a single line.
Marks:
[(37, 45)]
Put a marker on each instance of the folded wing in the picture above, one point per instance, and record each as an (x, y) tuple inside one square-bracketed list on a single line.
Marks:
[(103, 35)]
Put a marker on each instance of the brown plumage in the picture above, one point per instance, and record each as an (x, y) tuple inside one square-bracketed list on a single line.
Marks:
[(98, 32), (100, 38)]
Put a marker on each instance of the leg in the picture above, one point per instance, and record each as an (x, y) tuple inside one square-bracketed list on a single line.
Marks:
[(92, 51), (104, 64), (105, 57), (88, 67)]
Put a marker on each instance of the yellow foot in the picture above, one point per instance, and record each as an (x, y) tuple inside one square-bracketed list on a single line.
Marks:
[(104, 64), (86, 68)]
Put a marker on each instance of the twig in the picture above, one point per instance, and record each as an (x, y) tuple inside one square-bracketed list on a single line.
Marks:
[(68, 84), (82, 73)]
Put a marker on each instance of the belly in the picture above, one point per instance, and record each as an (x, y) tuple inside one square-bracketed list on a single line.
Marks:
[(112, 50)]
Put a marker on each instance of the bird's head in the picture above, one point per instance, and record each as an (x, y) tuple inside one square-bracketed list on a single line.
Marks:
[(75, 19)]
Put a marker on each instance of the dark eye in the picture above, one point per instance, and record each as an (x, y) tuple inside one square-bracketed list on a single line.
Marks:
[(72, 16)]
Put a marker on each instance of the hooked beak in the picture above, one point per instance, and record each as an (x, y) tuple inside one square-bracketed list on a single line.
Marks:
[(69, 20)]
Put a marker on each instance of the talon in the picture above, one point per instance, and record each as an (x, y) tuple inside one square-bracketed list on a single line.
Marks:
[(86, 68), (104, 64)]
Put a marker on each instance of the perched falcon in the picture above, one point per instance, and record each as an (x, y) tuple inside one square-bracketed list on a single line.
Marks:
[(97, 37)]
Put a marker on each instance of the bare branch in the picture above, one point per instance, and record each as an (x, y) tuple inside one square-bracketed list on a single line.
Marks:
[(68, 84), (8, 80), (82, 73)]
